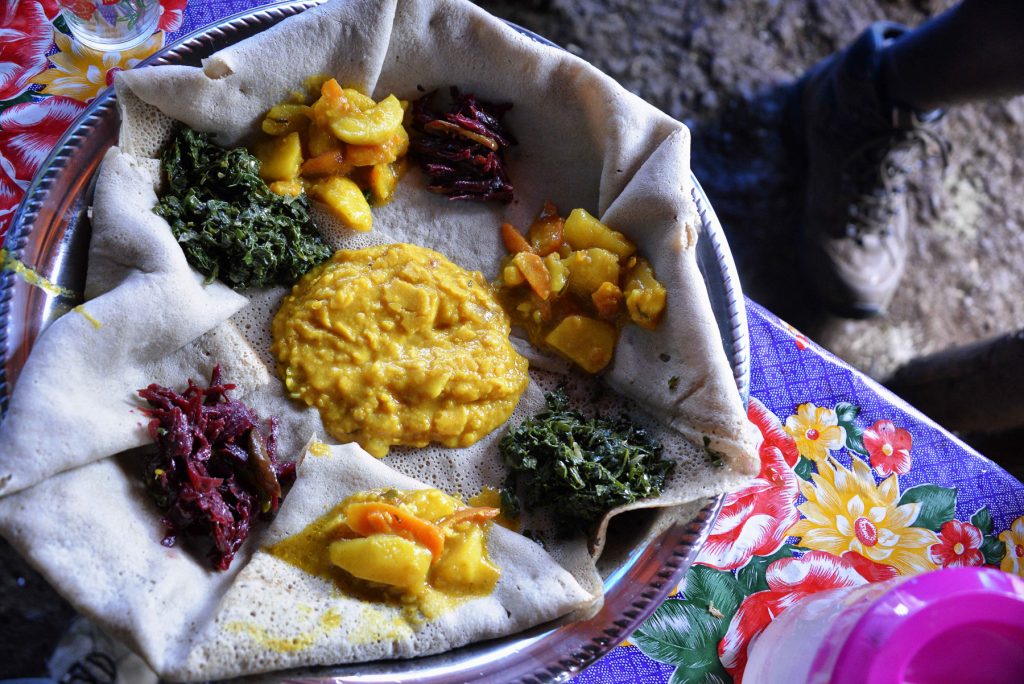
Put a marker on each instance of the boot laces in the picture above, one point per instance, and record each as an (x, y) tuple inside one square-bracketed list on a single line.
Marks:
[(875, 172)]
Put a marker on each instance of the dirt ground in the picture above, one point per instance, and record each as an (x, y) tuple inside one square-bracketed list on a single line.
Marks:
[(721, 67)]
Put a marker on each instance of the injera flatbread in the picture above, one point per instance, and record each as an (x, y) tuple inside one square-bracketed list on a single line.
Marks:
[(75, 398), (272, 602), (584, 142)]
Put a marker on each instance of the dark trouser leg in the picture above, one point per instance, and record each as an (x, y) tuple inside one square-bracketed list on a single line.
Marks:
[(975, 388), (974, 51)]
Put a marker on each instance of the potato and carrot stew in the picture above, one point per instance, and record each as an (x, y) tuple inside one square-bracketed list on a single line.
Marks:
[(573, 283), (338, 148)]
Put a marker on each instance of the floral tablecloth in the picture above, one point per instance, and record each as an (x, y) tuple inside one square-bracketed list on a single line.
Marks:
[(855, 486)]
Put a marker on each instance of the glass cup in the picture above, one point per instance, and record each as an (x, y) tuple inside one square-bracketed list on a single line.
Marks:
[(111, 24)]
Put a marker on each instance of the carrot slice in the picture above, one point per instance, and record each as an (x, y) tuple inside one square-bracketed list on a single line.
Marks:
[(381, 518), (474, 514), (331, 89), (331, 105), (326, 164), (514, 240), (535, 272)]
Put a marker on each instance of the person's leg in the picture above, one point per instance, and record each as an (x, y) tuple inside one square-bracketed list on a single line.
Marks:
[(972, 52), (863, 117)]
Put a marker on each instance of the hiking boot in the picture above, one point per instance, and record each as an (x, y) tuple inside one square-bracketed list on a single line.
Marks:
[(859, 148)]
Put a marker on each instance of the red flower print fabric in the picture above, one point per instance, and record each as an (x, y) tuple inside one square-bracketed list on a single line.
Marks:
[(888, 447), (754, 520), (30, 131), (171, 12), (25, 36), (959, 545), (789, 580), (868, 569)]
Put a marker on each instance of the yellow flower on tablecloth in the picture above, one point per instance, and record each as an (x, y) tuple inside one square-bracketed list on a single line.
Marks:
[(83, 73), (1013, 538), (846, 511), (816, 430)]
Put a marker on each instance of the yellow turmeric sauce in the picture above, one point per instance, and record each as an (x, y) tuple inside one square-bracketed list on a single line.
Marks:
[(80, 310), (327, 622), (33, 278), (397, 345), (491, 497), (319, 449), (30, 276), (421, 550)]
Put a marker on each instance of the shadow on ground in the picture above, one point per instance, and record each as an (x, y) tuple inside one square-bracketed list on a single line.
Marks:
[(750, 174)]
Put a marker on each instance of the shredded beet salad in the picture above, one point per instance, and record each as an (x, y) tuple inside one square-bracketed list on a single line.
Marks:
[(462, 150), (215, 467)]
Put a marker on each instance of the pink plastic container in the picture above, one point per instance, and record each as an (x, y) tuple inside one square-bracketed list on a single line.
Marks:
[(963, 625)]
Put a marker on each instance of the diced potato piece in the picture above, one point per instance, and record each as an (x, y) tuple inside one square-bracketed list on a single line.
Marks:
[(360, 101), (285, 118), (321, 140), (583, 230), (588, 342), (535, 272), (291, 187), (281, 158), (385, 558), (546, 232), (429, 504), (370, 127), (559, 272), (345, 201), (588, 268), (326, 164), (314, 85), (511, 276), (401, 141), (607, 300), (384, 181), (369, 155), (513, 239), (464, 565), (645, 296)]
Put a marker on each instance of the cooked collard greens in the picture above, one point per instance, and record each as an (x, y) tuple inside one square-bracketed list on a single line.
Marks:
[(228, 222), (579, 468)]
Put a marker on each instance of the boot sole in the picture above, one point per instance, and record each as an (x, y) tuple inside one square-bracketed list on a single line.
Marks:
[(853, 311)]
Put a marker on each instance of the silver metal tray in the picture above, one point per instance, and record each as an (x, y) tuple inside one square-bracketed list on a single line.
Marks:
[(50, 232)]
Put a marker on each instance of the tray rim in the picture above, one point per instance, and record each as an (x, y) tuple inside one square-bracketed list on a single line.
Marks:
[(546, 654)]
